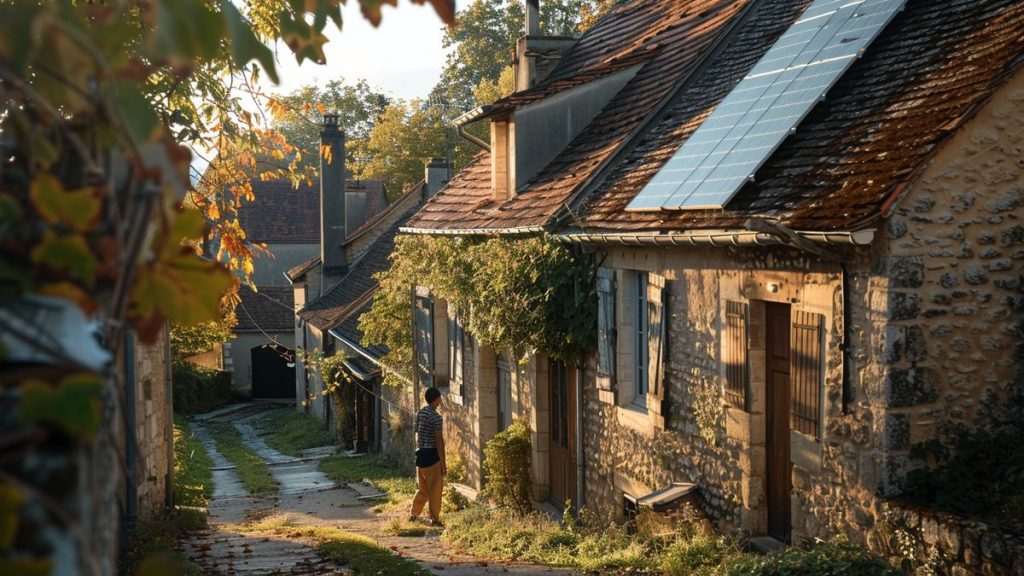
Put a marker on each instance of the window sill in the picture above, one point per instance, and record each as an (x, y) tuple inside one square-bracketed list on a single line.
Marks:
[(635, 418)]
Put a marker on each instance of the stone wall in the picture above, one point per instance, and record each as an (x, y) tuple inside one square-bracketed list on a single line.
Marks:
[(932, 542), (952, 276), (153, 432)]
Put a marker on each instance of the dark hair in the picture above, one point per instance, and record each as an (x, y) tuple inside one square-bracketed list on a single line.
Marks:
[(431, 394)]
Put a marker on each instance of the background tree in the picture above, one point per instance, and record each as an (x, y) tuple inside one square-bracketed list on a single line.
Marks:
[(358, 107)]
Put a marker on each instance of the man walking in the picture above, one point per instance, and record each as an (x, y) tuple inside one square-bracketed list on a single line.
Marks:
[(430, 458)]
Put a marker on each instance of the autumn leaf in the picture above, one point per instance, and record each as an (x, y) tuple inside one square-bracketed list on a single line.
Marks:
[(72, 405), (79, 209), (73, 293), (66, 252)]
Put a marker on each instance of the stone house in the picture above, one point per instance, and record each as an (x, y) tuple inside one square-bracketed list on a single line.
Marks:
[(329, 298), (287, 220), (793, 290)]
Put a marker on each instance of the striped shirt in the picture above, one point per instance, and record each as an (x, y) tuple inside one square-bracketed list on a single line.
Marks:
[(428, 421)]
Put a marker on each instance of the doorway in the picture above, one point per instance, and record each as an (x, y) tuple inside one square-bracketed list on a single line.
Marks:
[(562, 454), (271, 375), (779, 465)]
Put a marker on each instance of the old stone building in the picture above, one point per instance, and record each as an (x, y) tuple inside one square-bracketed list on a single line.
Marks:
[(286, 219), (807, 221), (330, 292)]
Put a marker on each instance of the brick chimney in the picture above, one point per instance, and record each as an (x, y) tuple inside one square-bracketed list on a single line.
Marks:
[(436, 175), (332, 197)]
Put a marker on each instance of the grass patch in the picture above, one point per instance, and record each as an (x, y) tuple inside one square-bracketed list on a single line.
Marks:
[(607, 548), (290, 432), (253, 471), (152, 549), (399, 486), (357, 552), (193, 480)]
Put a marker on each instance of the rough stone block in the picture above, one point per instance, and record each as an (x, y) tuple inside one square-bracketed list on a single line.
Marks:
[(989, 253), (904, 306), (910, 387), (916, 347), (906, 271), (897, 227), (1000, 265), (974, 274), (1006, 201), (892, 348), (897, 432), (1013, 236), (948, 280), (986, 238)]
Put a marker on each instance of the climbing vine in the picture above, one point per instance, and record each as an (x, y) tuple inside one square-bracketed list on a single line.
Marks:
[(513, 294)]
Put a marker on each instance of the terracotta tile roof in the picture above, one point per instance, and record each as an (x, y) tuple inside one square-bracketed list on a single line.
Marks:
[(667, 39), (281, 214), (918, 82), (269, 310)]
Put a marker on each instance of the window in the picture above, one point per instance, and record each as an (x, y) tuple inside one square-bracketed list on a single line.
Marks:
[(642, 354), (424, 320), (806, 345), (504, 395), (606, 323), (657, 338), (735, 353), (456, 336)]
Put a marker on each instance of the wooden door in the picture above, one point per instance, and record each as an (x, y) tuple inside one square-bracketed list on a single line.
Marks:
[(777, 420), (562, 384)]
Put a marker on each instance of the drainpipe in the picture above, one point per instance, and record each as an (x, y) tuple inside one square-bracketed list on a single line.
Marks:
[(580, 467), (169, 395), (131, 481)]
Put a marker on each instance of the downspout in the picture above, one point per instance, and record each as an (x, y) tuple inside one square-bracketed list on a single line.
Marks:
[(169, 394), (580, 464), (847, 392), (131, 480)]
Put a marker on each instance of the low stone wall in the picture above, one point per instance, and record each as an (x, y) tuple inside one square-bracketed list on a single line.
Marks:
[(933, 542)]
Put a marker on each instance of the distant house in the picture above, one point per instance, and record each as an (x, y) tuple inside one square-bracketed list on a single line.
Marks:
[(808, 219), (287, 220), (332, 289)]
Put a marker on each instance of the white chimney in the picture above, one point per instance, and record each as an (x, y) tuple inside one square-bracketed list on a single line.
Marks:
[(436, 175)]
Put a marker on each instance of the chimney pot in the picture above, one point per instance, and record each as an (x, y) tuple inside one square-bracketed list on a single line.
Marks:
[(332, 197)]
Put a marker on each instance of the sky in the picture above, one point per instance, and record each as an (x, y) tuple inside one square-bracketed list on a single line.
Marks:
[(403, 57)]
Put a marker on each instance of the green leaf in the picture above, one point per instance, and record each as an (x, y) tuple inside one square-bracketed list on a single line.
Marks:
[(185, 31), (68, 252), (245, 46), (73, 405), (304, 40), (10, 210), (136, 113), (11, 500), (79, 209)]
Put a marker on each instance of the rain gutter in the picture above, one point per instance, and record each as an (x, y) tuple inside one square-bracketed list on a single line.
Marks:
[(376, 362), (473, 115), (522, 230), (716, 238)]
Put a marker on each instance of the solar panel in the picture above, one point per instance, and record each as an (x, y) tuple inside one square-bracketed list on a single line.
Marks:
[(767, 105)]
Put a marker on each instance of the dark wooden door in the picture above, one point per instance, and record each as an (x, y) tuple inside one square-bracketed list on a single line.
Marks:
[(777, 420), (271, 376), (562, 383)]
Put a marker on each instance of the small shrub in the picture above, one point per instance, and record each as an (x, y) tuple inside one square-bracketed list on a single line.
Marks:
[(456, 467), (453, 501), (197, 389), (982, 476), (507, 469)]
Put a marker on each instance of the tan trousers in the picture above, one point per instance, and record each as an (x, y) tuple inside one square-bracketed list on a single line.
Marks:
[(430, 482)]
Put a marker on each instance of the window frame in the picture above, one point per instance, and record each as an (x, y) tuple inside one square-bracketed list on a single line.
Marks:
[(641, 342)]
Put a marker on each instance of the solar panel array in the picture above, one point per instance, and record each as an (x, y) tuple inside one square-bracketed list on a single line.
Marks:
[(767, 105)]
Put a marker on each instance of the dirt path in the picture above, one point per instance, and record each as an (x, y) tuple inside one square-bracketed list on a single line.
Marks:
[(307, 498)]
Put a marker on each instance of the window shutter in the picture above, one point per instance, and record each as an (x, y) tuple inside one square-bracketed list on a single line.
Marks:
[(455, 352), (806, 344), (736, 372), (606, 326), (424, 340), (657, 341)]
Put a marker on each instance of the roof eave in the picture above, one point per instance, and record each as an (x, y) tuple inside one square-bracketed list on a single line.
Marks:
[(717, 238)]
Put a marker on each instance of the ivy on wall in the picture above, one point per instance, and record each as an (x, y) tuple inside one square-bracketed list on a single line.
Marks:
[(525, 294)]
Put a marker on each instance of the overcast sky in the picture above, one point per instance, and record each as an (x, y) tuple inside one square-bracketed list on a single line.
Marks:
[(402, 57)]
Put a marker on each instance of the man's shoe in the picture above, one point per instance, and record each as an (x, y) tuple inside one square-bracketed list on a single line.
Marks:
[(413, 518), (435, 523)]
